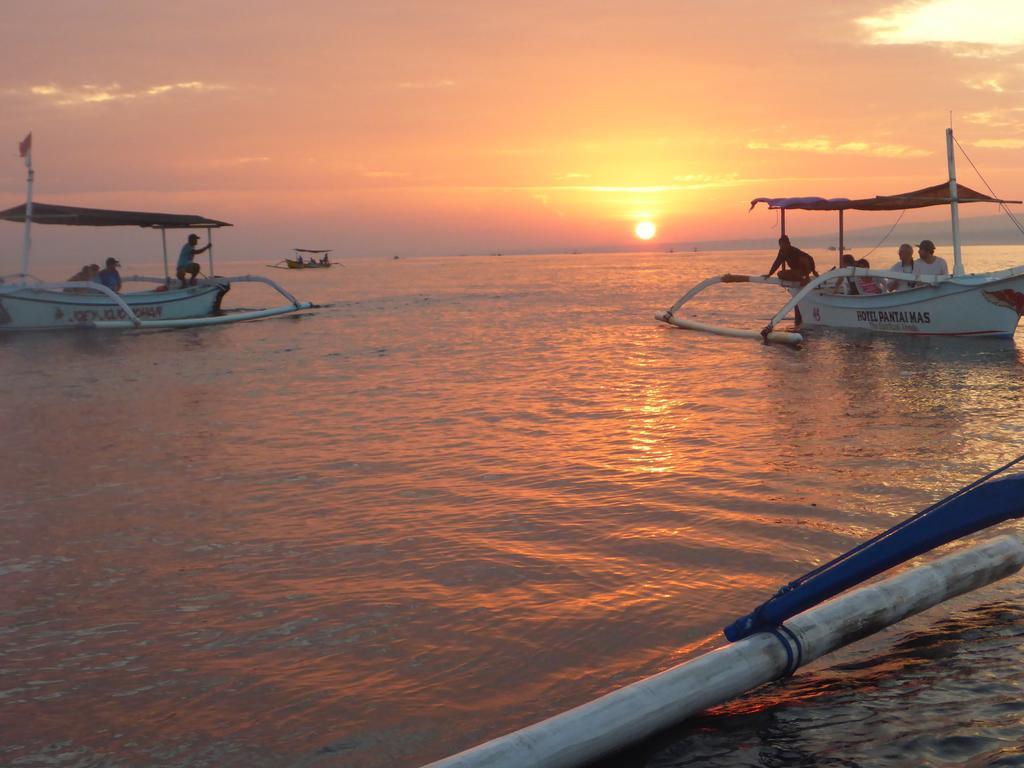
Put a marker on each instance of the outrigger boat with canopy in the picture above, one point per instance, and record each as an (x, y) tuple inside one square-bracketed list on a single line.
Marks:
[(985, 304), (310, 262), (27, 303)]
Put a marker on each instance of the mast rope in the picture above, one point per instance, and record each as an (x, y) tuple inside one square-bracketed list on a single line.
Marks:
[(926, 511), (886, 235), (1002, 206)]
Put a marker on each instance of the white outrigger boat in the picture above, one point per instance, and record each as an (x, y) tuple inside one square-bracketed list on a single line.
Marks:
[(985, 304), (27, 303)]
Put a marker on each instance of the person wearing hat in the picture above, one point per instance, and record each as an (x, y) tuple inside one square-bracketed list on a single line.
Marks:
[(186, 260), (109, 276), (929, 263)]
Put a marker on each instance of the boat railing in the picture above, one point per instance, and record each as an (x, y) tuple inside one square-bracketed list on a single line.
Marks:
[(80, 285), (831, 275)]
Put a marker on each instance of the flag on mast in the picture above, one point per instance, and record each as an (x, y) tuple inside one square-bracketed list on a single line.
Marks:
[(25, 148)]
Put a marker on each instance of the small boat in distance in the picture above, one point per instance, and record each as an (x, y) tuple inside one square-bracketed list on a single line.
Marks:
[(958, 304), (307, 262)]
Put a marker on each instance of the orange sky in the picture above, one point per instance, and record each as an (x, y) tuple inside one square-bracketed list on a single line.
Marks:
[(450, 127)]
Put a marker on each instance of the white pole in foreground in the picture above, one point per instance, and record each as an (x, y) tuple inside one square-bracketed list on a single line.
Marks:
[(637, 711)]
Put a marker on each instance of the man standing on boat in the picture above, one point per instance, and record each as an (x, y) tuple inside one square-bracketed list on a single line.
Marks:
[(929, 263), (186, 260)]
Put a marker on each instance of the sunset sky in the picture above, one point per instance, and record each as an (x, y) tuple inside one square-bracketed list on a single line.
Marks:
[(448, 127)]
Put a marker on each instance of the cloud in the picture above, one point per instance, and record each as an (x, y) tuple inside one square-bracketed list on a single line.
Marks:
[(385, 174), (98, 94), (992, 23), (991, 83), (1000, 143), (426, 85), (678, 184), (1009, 117), (827, 147)]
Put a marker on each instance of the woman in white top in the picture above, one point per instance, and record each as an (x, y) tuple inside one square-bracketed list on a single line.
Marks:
[(904, 265)]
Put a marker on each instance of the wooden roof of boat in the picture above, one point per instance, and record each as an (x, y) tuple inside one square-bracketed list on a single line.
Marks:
[(45, 213), (919, 198)]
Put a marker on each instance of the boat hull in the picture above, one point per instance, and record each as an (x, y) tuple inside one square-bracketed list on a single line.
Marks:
[(305, 265), (29, 308), (963, 307)]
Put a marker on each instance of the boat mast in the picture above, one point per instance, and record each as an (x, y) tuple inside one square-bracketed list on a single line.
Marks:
[(841, 237), (209, 241), (954, 209), (163, 241), (26, 151)]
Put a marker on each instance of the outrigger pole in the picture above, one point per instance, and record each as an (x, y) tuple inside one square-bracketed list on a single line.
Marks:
[(772, 649), (669, 315)]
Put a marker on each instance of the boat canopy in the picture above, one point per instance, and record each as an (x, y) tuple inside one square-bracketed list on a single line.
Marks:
[(920, 198), (309, 250), (43, 213)]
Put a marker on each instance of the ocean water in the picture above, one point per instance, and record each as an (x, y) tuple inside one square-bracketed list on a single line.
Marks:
[(472, 492)]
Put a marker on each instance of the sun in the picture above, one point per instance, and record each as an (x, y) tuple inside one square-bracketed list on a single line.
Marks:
[(645, 230)]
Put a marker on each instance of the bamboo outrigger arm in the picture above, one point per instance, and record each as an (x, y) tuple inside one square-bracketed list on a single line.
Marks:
[(669, 315)]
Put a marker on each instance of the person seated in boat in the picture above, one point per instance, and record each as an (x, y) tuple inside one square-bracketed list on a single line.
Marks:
[(186, 260), (325, 261), (109, 276), (866, 285), (298, 260), (792, 263), (904, 265), (87, 274), (929, 263), (843, 284)]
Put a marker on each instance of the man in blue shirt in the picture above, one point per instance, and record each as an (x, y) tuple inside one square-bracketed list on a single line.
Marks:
[(110, 277), (186, 260)]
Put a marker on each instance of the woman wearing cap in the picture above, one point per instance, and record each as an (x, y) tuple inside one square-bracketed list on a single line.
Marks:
[(929, 263), (110, 277)]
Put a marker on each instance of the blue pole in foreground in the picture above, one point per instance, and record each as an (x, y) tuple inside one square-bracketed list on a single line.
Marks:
[(986, 505), (633, 713)]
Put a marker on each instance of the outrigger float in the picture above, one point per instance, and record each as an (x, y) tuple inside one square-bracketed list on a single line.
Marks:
[(806, 619), (986, 304), (28, 304)]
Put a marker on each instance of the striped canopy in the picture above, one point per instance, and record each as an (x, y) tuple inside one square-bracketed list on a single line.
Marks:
[(920, 198), (44, 213)]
